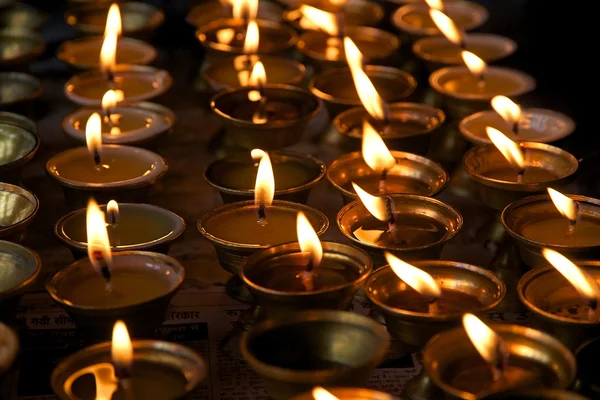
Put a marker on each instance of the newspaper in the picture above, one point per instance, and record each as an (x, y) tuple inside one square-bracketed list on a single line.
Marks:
[(200, 318)]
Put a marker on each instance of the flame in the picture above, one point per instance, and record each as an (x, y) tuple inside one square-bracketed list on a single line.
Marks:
[(435, 4), (108, 53), (225, 36), (509, 149), (111, 98), (375, 205), (112, 211), (507, 109), (367, 93), (121, 349), (258, 78), (475, 64), (323, 19), (252, 37), (264, 189), (446, 25), (414, 277), (319, 393), (113, 21), (374, 151), (308, 239), (485, 340), (97, 236), (245, 9), (585, 285), (564, 205), (93, 136)]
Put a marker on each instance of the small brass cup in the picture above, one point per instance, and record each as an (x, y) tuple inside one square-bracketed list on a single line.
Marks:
[(276, 133), (411, 127), (511, 83), (96, 322), (497, 193), (20, 91), (323, 51), (335, 86), (543, 289), (19, 207), (406, 204), (280, 302), (206, 12), (414, 329), (22, 16), (520, 214), (449, 354), (428, 176), (296, 352), (241, 166), (20, 136), (28, 45), (351, 393), (354, 13)]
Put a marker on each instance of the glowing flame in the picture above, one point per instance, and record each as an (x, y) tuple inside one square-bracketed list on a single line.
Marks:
[(93, 137), (308, 239), (258, 78), (121, 349), (264, 189), (375, 205), (97, 236), (475, 64), (323, 19), (225, 36), (507, 109), (245, 9), (108, 54), (414, 277), (111, 98), (509, 149), (113, 21), (585, 285), (485, 340), (435, 4), (367, 93), (564, 205), (374, 151), (446, 25), (252, 37), (319, 393), (112, 211)]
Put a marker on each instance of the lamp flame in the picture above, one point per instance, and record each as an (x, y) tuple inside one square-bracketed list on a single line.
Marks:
[(446, 25), (475, 64), (509, 149), (258, 78), (326, 21), (264, 189), (367, 93), (111, 98), (565, 206), (245, 9), (585, 285), (319, 393), (435, 4), (252, 38), (93, 137), (414, 277), (508, 109), (375, 205), (374, 151), (97, 239), (486, 341), (113, 21), (121, 350), (112, 211), (309, 240), (108, 53), (225, 36)]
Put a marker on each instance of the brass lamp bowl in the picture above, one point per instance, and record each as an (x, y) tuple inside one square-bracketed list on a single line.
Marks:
[(414, 329), (335, 86), (351, 393), (301, 350), (25, 46), (411, 127), (354, 215), (234, 176), (423, 176), (21, 141), (550, 298), (19, 92), (23, 16), (354, 13), (280, 130), (206, 12), (522, 214), (19, 207), (483, 160), (450, 353), (281, 302)]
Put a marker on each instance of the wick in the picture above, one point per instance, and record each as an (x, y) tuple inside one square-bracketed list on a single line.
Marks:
[(433, 307), (260, 114), (110, 77), (573, 222), (97, 160), (391, 214), (515, 128), (125, 382), (307, 280), (262, 215), (501, 362), (104, 270), (481, 81), (310, 265), (382, 185), (461, 44), (520, 175), (593, 304)]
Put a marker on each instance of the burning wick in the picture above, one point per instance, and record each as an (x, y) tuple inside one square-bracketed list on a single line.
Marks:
[(488, 344), (567, 207), (446, 25), (112, 214), (508, 110), (512, 151), (376, 154), (122, 356), (309, 243), (258, 79), (93, 138), (476, 66), (391, 214), (264, 188), (99, 251)]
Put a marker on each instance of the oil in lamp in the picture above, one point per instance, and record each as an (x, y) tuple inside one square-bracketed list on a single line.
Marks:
[(206, 12), (342, 393), (353, 13)]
